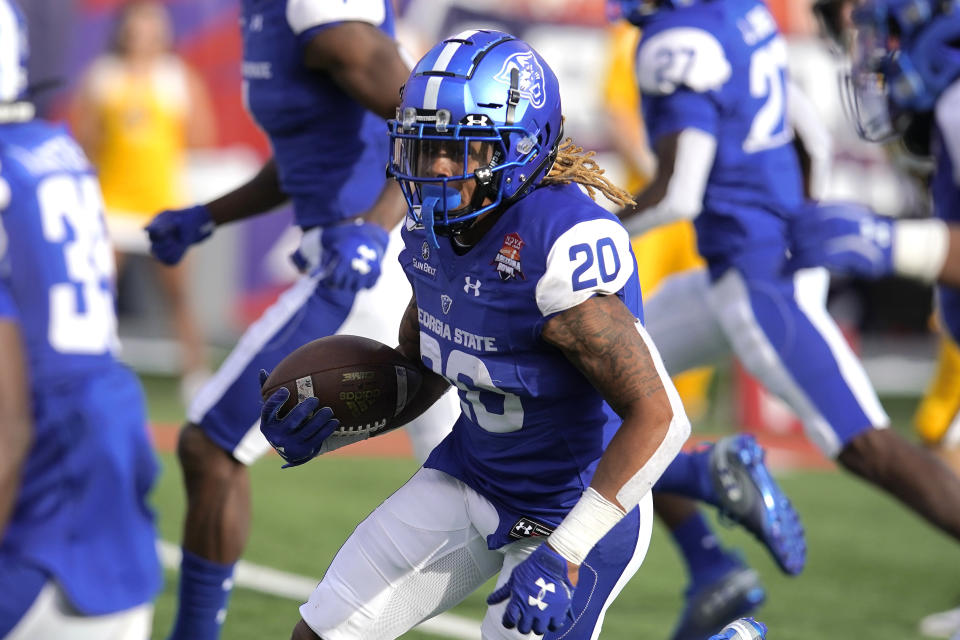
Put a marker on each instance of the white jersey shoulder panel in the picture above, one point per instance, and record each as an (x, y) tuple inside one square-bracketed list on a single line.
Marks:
[(682, 56), (306, 14), (591, 257)]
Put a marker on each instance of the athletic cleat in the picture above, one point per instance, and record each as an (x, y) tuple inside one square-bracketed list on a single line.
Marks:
[(749, 496), (737, 593), (742, 629)]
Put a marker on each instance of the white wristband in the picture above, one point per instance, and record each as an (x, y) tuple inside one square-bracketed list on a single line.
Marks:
[(920, 248), (589, 520)]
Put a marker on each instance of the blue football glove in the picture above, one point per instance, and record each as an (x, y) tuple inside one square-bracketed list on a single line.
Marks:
[(847, 238), (173, 231), (540, 593), (299, 435), (352, 254)]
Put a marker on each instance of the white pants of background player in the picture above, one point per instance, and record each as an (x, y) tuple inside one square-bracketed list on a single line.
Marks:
[(227, 408), (51, 616), (695, 322), (425, 549)]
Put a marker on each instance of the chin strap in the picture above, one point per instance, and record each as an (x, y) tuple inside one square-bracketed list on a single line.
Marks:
[(434, 196)]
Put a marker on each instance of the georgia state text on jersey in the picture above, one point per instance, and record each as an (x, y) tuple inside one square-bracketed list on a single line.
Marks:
[(532, 427), (81, 513), (720, 67), (330, 151)]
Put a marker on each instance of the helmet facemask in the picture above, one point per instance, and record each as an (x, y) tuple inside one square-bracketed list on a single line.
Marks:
[(903, 55), (451, 174)]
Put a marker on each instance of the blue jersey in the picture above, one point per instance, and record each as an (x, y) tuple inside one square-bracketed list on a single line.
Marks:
[(330, 152), (56, 274), (81, 514), (720, 67), (532, 427), (945, 187)]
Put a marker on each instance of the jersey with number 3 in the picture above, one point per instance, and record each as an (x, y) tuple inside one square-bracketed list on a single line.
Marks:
[(532, 427), (720, 67), (57, 266), (81, 513)]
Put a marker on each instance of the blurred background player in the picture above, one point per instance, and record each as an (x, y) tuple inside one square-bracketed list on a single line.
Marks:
[(319, 79), (665, 250), (908, 51), (732, 170), (77, 554), (839, 238), (722, 586), (518, 489), (137, 110)]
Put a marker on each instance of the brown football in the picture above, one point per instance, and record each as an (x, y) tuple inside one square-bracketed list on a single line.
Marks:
[(364, 381)]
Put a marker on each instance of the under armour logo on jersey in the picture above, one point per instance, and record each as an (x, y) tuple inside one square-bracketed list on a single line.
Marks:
[(523, 527), (544, 588), (361, 264), (475, 286), (446, 302)]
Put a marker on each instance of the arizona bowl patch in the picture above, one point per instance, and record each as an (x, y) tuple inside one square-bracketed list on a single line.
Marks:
[(507, 259)]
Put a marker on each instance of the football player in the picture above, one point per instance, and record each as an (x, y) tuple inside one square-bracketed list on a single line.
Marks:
[(526, 300), (319, 79), (673, 313), (713, 77), (853, 240), (911, 49), (77, 541)]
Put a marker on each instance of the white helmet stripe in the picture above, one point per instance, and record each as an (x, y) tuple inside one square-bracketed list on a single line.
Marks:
[(446, 55), (9, 53), (432, 92)]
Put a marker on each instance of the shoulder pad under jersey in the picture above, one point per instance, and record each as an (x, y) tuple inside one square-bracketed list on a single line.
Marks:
[(306, 14), (681, 57)]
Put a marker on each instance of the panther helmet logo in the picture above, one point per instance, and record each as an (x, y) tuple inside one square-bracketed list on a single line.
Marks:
[(531, 76)]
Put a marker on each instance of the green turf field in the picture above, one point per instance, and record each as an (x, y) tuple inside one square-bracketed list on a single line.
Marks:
[(873, 569)]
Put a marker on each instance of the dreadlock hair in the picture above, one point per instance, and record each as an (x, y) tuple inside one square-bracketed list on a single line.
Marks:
[(575, 165)]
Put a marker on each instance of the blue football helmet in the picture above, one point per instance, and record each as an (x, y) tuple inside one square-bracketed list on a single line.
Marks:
[(905, 53), (640, 11), (487, 104)]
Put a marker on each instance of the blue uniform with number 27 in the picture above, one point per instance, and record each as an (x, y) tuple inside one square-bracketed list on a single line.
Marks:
[(81, 517), (720, 67)]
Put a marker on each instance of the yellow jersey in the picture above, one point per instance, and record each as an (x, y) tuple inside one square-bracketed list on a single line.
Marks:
[(141, 153)]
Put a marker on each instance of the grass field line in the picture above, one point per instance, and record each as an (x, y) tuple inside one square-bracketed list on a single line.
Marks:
[(290, 585)]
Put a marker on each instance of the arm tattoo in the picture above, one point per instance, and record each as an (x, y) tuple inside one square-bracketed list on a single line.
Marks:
[(598, 336)]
